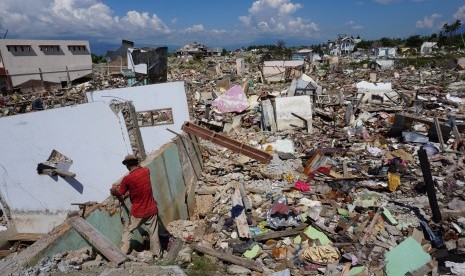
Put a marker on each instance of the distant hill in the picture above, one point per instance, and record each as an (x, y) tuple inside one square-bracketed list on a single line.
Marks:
[(101, 48)]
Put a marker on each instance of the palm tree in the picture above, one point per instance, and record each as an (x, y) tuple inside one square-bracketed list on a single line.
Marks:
[(454, 27), (446, 28)]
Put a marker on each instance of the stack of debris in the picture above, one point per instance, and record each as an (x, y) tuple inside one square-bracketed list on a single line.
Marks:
[(47, 99), (351, 197), (343, 171)]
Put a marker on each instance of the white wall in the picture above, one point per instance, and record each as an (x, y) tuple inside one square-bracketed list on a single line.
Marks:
[(150, 97), (90, 134), (300, 105)]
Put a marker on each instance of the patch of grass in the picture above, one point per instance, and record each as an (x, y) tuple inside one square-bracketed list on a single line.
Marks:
[(200, 266), (162, 262)]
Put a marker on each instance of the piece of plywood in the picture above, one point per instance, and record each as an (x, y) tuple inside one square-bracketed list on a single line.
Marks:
[(98, 240)]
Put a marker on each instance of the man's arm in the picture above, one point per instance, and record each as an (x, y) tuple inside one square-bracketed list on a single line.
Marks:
[(119, 189), (114, 190)]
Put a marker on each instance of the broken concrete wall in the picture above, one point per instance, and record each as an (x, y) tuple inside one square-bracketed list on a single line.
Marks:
[(375, 91), (299, 105), (172, 175), (156, 60), (282, 70), (148, 98), (38, 202)]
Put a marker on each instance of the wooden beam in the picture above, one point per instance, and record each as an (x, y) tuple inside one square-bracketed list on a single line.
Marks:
[(4, 253), (241, 220), (457, 136), (176, 246), (99, 241), (439, 134), (280, 234), (26, 237), (245, 199), (228, 257)]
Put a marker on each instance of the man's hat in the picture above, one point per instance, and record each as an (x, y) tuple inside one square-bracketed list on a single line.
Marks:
[(129, 157)]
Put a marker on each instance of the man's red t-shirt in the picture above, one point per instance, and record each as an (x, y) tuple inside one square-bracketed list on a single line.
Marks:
[(137, 182)]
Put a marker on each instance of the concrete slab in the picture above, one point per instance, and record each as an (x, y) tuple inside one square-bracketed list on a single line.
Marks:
[(300, 105)]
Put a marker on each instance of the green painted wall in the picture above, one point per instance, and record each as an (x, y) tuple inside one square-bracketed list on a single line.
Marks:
[(168, 189)]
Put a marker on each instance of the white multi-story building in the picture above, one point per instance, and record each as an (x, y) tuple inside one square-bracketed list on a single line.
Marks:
[(26, 63)]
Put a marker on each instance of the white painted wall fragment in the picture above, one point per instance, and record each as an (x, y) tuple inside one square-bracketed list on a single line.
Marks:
[(300, 105), (151, 97), (89, 134)]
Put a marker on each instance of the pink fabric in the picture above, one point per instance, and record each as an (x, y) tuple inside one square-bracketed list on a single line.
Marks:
[(234, 100), (301, 186)]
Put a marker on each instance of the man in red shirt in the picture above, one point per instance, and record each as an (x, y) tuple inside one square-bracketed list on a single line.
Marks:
[(143, 207)]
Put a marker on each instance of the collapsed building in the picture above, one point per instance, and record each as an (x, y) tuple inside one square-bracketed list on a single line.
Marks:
[(144, 65), (295, 170)]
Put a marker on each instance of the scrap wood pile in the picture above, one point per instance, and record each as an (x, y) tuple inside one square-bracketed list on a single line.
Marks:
[(376, 188)]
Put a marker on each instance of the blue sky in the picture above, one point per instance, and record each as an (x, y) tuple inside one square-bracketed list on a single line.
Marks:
[(221, 22)]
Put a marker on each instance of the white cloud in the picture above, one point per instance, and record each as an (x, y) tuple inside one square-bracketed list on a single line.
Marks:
[(277, 17), (174, 20), (76, 18), (195, 29), (354, 26), (289, 8), (218, 32), (460, 13), (428, 21)]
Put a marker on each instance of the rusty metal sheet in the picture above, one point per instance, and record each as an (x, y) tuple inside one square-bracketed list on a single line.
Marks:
[(226, 142)]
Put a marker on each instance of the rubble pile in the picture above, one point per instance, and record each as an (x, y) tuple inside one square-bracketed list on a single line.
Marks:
[(85, 261), (371, 183), (47, 99), (351, 197)]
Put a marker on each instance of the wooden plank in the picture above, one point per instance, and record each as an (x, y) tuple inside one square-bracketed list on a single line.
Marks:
[(228, 257), (4, 253), (245, 199), (457, 136), (174, 251), (439, 134), (279, 234), (26, 237), (241, 220), (99, 241)]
